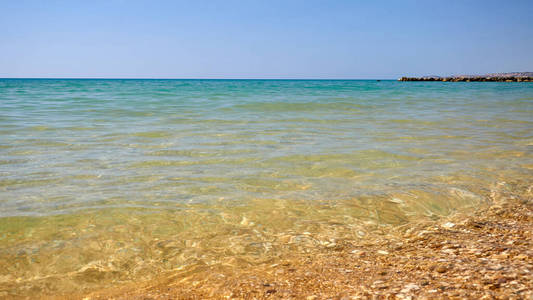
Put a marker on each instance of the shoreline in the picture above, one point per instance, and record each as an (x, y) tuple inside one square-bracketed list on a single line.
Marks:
[(486, 255)]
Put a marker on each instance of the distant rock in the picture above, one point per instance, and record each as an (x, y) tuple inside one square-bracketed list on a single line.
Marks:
[(498, 77)]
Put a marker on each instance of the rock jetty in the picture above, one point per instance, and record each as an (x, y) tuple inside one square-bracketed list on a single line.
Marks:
[(496, 77)]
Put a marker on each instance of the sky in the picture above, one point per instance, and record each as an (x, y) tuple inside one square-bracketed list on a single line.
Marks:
[(263, 39)]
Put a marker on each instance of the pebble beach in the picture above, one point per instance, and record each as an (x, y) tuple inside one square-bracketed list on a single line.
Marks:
[(487, 255)]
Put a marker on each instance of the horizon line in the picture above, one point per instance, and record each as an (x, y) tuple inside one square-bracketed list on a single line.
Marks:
[(198, 78)]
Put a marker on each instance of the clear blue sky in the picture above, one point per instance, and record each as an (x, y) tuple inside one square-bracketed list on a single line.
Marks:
[(263, 39)]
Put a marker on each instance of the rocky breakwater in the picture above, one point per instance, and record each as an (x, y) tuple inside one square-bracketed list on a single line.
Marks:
[(494, 77)]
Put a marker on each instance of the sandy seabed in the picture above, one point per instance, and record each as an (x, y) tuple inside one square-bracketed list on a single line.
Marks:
[(487, 255)]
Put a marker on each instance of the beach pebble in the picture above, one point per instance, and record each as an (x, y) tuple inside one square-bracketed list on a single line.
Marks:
[(448, 251), (331, 245), (521, 257), (501, 256), (448, 225), (404, 297), (409, 287), (396, 200), (441, 269), (359, 253)]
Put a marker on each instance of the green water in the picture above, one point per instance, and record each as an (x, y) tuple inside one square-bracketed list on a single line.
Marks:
[(107, 181)]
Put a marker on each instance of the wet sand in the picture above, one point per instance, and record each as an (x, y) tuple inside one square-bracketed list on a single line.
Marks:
[(487, 255)]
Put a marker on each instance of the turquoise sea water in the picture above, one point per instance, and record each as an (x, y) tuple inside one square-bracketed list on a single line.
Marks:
[(100, 176)]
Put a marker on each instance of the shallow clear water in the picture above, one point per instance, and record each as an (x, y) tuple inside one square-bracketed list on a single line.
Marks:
[(105, 181)]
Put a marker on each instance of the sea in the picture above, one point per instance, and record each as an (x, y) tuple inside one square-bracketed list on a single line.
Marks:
[(105, 182)]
